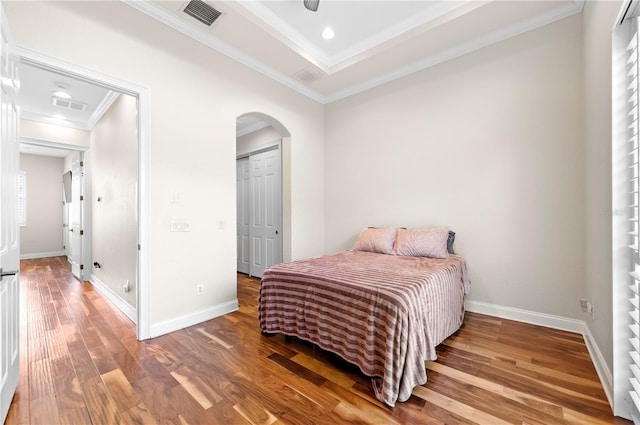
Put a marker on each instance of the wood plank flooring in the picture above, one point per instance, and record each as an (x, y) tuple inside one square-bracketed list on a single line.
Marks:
[(81, 364)]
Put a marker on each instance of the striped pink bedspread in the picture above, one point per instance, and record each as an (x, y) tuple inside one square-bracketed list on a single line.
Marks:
[(383, 313)]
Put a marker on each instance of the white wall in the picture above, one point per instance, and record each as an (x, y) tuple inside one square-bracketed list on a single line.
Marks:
[(196, 95), (114, 171), (598, 19), (51, 133), (42, 236), (257, 140), (489, 144), (524, 183)]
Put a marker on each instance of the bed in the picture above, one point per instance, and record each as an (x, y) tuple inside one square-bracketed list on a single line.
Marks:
[(375, 306)]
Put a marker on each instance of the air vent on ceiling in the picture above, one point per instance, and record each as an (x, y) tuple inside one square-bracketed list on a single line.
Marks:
[(68, 104), (202, 11)]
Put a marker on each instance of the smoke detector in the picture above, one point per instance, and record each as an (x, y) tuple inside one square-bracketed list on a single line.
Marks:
[(308, 75)]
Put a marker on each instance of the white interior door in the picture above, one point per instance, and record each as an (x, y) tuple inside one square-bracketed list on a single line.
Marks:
[(9, 240), (243, 213), (266, 211), (76, 211)]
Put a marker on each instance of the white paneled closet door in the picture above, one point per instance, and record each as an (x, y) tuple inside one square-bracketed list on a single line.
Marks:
[(243, 213), (259, 194), (266, 211)]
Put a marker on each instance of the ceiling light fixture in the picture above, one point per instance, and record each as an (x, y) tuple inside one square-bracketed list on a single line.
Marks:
[(311, 5), (328, 34), (62, 94), (60, 90)]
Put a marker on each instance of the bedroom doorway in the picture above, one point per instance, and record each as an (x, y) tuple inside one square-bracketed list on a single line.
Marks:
[(138, 98), (260, 193)]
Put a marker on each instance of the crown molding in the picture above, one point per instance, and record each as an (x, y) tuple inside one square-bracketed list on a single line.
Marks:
[(492, 38), (429, 17), (78, 125), (280, 29), (102, 108), (226, 49), (497, 36)]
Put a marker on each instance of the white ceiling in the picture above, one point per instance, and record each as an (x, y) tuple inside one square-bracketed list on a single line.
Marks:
[(375, 42), (36, 91)]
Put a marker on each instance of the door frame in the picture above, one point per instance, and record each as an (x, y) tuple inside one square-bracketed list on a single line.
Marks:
[(143, 325)]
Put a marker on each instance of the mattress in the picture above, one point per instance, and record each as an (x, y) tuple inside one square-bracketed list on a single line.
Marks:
[(382, 313)]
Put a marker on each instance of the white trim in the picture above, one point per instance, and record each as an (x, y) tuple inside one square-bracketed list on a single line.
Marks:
[(519, 315), (76, 71), (142, 94), (554, 322), (428, 17), (113, 296), (42, 255), (57, 145), (462, 49), (220, 46), (604, 373), (326, 61), (226, 49), (103, 107), (194, 318), (32, 116), (144, 190)]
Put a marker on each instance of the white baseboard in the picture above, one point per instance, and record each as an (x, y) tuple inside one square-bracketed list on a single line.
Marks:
[(112, 296), (194, 318), (555, 322), (42, 255), (532, 317), (604, 373)]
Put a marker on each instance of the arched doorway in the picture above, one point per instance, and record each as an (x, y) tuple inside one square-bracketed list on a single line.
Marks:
[(262, 193)]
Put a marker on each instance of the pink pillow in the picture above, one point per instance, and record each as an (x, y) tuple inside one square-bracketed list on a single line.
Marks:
[(429, 242), (376, 240)]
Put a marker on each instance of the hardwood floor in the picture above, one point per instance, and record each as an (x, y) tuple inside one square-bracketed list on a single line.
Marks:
[(81, 364)]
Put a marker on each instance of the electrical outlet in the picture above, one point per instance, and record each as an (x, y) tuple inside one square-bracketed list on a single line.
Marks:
[(200, 289), (584, 303)]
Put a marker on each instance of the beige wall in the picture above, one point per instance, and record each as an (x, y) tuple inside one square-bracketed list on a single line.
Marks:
[(522, 127), (53, 133), (489, 144), (598, 20), (114, 173), (42, 236), (196, 95), (257, 140)]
